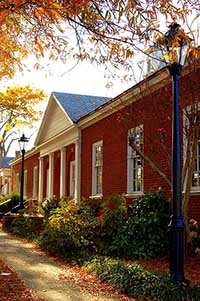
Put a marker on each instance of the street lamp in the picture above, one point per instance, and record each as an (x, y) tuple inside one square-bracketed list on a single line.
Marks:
[(175, 52), (174, 46), (22, 143)]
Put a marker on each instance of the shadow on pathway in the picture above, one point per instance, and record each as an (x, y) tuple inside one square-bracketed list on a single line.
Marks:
[(41, 274)]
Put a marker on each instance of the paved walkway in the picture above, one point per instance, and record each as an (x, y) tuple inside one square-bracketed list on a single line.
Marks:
[(41, 274)]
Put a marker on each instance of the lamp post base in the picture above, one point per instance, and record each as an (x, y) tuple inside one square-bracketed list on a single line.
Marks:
[(177, 249)]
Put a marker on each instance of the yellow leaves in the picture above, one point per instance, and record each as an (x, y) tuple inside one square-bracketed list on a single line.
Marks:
[(19, 107)]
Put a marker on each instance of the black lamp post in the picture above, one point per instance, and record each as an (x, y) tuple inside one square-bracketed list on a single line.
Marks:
[(175, 52), (22, 143)]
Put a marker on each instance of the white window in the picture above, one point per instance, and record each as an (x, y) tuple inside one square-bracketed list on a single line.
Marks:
[(35, 182), (72, 178), (190, 124), (17, 183), (196, 173), (25, 183), (135, 162), (97, 168)]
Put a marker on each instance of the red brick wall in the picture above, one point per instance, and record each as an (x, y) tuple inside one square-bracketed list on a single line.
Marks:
[(29, 164), (155, 113)]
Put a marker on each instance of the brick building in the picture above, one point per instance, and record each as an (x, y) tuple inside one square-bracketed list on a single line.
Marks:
[(82, 148)]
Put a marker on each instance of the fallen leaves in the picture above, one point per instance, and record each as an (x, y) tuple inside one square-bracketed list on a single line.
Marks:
[(89, 283), (12, 288)]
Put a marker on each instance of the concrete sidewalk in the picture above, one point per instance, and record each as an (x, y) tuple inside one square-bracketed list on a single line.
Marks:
[(41, 274)]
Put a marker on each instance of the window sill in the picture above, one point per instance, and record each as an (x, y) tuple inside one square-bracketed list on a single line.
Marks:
[(133, 194), (194, 192), (97, 196)]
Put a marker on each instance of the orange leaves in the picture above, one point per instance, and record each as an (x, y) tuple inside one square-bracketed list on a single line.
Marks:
[(39, 46), (3, 16), (12, 287)]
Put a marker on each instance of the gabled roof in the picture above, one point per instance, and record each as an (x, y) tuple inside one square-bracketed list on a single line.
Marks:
[(64, 110), (4, 162), (77, 106)]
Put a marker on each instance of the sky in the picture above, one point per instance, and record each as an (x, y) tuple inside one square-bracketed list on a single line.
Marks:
[(85, 79)]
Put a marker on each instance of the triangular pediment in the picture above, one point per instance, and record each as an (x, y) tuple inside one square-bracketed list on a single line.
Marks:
[(55, 121)]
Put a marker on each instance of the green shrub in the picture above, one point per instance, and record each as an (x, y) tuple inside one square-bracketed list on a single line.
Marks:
[(139, 229), (10, 201), (26, 226), (49, 205), (113, 216), (70, 229), (147, 227), (134, 280)]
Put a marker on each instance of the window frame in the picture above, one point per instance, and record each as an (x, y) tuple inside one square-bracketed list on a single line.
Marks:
[(95, 191), (194, 189), (72, 184), (35, 182), (17, 182), (25, 183), (131, 158)]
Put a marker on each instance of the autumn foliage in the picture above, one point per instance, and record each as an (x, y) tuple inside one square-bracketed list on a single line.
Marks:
[(100, 31), (18, 108), (12, 287)]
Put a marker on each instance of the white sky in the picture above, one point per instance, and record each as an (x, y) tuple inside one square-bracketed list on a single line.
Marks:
[(85, 78)]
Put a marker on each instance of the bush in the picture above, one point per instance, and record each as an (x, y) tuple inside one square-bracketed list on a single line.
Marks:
[(113, 216), (134, 280), (26, 226), (10, 201), (49, 205), (148, 226), (194, 227), (70, 229), (139, 229)]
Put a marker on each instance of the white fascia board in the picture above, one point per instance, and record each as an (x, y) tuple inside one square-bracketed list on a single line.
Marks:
[(28, 154), (51, 99), (43, 120), (61, 107)]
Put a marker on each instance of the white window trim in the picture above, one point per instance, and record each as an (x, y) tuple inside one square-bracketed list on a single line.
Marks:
[(17, 182), (35, 182), (130, 192), (72, 165), (25, 183), (94, 193), (194, 190)]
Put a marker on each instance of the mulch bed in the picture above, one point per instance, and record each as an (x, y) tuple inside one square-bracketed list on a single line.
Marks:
[(191, 267), (12, 288)]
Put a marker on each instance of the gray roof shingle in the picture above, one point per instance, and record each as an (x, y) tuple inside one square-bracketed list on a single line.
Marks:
[(4, 162), (78, 106)]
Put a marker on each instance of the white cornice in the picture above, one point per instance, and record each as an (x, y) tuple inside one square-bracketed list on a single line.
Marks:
[(28, 154)]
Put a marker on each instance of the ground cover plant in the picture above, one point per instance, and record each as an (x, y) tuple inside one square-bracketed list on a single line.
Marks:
[(127, 231), (134, 280)]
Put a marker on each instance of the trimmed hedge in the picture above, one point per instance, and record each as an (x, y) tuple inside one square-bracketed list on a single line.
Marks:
[(134, 280), (10, 202)]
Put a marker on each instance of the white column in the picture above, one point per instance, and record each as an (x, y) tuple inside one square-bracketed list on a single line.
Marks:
[(78, 169), (62, 171), (41, 179), (51, 175)]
